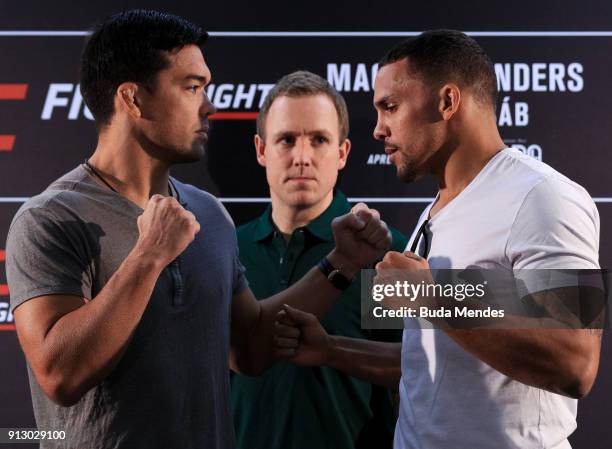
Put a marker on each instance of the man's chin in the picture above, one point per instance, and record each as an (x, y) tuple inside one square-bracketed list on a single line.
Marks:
[(407, 174), (301, 199), (194, 154)]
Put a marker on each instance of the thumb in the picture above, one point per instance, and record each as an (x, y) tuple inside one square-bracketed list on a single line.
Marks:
[(298, 316)]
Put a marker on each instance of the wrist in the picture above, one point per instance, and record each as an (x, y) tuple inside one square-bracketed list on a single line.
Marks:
[(329, 355), (343, 263), (145, 256)]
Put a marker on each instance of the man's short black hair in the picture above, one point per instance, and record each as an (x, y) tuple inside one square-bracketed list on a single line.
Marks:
[(129, 46), (442, 56)]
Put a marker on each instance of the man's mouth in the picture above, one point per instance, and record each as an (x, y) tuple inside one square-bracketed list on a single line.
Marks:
[(202, 133), (300, 178), (389, 150)]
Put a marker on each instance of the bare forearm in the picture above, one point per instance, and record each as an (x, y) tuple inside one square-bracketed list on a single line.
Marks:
[(374, 361), (313, 294), (563, 361), (84, 346)]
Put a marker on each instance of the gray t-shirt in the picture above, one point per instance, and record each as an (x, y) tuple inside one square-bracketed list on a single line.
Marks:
[(171, 387)]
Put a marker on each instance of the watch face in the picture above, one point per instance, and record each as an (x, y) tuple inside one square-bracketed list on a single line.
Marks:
[(338, 280), (333, 274)]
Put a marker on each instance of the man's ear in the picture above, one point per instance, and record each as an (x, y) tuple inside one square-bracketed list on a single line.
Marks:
[(260, 150), (345, 149), (126, 99), (450, 98)]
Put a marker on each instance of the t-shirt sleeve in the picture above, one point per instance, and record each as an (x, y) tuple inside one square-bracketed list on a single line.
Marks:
[(41, 259), (240, 281), (557, 230)]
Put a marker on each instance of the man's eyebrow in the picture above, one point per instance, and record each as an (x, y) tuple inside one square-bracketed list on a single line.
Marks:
[(319, 131), (200, 78), (285, 133), (380, 102)]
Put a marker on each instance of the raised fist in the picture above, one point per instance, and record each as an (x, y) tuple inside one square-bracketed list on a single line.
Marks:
[(166, 228), (361, 236)]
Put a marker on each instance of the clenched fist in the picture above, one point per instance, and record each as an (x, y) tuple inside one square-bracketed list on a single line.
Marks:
[(166, 228), (300, 338), (399, 268), (361, 236)]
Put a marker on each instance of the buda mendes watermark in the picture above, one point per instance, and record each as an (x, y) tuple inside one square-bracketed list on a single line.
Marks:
[(485, 299)]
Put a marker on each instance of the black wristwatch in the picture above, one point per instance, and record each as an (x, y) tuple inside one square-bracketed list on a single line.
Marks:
[(333, 274)]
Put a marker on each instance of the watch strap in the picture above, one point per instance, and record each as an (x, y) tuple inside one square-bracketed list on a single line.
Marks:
[(333, 274)]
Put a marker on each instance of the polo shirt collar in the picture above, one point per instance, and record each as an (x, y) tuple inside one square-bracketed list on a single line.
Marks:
[(319, 227)]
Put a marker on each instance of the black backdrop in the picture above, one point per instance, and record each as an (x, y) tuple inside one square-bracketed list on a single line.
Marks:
[(553, 64)]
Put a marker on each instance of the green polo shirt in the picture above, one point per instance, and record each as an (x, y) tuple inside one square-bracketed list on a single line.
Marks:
[(289, 406)]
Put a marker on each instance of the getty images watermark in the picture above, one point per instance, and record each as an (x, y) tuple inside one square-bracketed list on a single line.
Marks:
[(485, 299)]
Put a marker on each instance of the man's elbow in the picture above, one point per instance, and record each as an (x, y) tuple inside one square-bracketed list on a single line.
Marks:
[(244, 364), (60, 389), (580, 379)]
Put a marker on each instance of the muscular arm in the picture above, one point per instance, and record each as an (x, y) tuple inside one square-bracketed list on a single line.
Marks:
[(301, 339), (552, 353), (360, 239), (375, 361), (564, 361), (253, 321), (72, 344)]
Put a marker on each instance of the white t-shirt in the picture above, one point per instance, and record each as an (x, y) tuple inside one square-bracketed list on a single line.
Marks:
[(517, 213)]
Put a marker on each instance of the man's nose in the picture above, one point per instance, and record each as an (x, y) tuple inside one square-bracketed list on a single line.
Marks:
[(303, 152), (380, 130), (207, 108)]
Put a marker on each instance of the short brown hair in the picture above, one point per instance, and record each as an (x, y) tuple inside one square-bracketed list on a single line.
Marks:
[(300, 84)]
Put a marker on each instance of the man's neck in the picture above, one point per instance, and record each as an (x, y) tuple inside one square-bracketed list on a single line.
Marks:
[(125, 165), (288, 218), (464, 163)]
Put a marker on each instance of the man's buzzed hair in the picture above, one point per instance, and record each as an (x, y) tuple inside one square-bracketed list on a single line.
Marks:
[(301, 84), (442, 56)]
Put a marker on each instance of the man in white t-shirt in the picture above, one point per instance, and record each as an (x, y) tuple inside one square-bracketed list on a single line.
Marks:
[(497, 209)]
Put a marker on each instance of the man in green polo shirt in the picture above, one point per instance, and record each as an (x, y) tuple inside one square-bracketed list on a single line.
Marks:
[(302, 142)]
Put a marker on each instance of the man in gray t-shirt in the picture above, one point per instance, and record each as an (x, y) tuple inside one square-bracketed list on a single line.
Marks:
[(123, 280), (172, 377)]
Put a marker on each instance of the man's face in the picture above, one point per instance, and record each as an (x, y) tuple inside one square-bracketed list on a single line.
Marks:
[(175, 111), (301, 151), (408, 122)]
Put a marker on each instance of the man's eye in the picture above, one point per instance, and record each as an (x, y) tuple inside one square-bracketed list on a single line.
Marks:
[(287, 141), (390, 106), (321, 140), (193, 88)]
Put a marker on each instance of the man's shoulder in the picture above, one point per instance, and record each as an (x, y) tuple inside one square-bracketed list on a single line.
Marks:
[(249, 226), (525, 170), (246, 232), (52, 201), (203, 204), (189, 191), (542, 184)]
